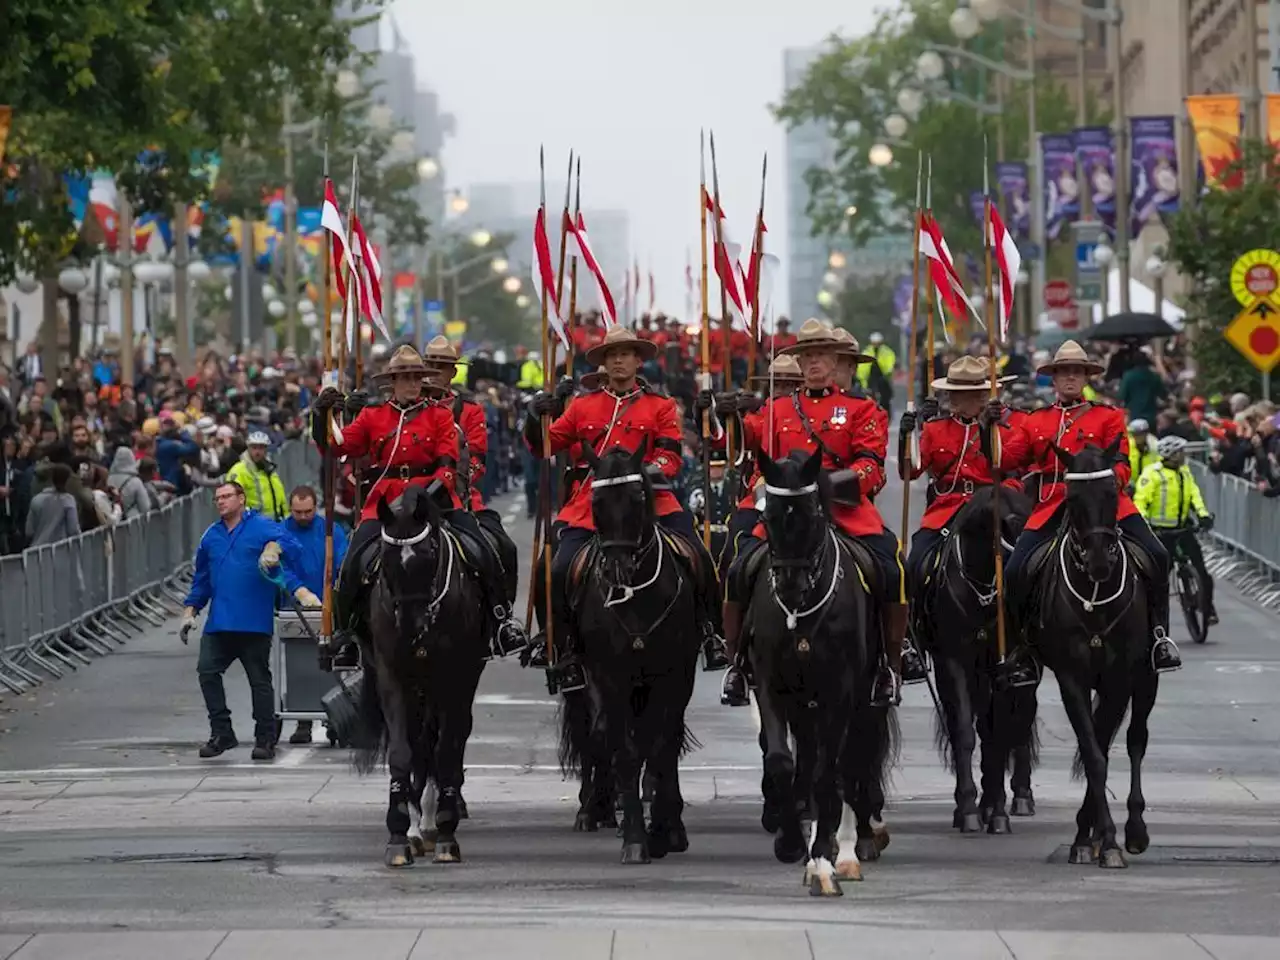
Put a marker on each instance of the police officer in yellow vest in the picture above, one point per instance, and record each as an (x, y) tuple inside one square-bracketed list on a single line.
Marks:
[(877, 378), (1168, 497), (1142, 448), (530, 373)]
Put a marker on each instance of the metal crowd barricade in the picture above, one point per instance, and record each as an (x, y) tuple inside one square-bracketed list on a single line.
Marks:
[(63, 603), (1244, 545)]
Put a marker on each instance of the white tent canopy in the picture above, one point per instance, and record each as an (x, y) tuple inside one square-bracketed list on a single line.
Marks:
[(1142, 299)]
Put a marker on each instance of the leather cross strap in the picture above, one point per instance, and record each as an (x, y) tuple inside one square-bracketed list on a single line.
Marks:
[(813, 434)]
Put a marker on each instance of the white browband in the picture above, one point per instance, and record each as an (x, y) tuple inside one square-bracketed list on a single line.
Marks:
[(413, 541), (618, 481), (788, 492), (1095, 475)]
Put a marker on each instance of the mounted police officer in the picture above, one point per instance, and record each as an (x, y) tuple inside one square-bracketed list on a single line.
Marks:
[(632, 415), (441, 359), (410, 440)]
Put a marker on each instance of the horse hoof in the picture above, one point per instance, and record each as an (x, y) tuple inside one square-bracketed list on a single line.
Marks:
[(866, 849), (398, 855), (770, 819), (658, 846), (447, 851), (823, 882), (880, 834), (678, 838), (987, 813), (1112, 859), (463, 813), (789, 849), (1023, 807), (585, 822), (848, 870), (999, 824), (634, 853), (971, 823), (1081, 853), (1136, 841), (957, 818), (418, 846)]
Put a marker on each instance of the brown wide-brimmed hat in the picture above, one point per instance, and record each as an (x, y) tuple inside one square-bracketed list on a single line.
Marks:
[(850, 347), (783, 369), (620, 336), (814, 334), (405, 360), (590, 381), (440, 352), (968, 373), (1071, 354)]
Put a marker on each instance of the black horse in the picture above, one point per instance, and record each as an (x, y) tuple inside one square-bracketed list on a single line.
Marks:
[(813, 654), (954, 618), (1090, 625), (636, 614), (423, 665)]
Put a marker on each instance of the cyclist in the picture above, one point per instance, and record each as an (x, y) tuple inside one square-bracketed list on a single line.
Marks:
[(1168, 495)]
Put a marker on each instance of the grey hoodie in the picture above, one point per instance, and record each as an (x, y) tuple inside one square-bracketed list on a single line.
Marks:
[(134, 498)]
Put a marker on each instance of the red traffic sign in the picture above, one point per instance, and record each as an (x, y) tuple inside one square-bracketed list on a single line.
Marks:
[(1058, 294)]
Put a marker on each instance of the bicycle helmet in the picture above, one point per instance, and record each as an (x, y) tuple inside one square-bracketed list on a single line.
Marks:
[(260, 439), (1171, 446), (1138, 425)]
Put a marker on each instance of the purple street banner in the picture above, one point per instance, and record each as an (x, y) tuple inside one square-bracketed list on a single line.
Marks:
[(1154, 169), (902, 301), (1015, 193), (1097, 164), (978, 207), (1061, 185)]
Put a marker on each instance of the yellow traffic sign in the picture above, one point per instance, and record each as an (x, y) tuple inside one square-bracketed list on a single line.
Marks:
[(1256, 276), (1255, 332)]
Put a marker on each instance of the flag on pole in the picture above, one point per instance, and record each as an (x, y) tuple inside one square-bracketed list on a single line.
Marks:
[(370, 273), (726, 254), (945, 276), (1009, 260), (331, 220), (544, 277), (579, 233)]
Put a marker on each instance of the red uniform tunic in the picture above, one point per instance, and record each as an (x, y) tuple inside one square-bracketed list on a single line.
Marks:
[(1072, 428), (950, 453), (854, 431), (414, 446), (585, 337), (475, 427), (755, 428), (604, 420)]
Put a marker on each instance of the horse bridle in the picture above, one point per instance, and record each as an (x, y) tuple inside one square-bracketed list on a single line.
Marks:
[(807, 490), (623, 480), (793, 617), (407, 547)]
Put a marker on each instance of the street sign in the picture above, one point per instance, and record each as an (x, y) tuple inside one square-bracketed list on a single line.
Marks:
[(1255, 332), (1058, 293), (1089, 272), (1089, 292), (1256, 276)]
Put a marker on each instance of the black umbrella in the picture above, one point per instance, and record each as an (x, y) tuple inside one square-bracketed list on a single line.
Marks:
[(1131, 326)]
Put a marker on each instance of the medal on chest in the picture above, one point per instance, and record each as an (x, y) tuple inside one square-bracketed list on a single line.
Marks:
[(840, 416)]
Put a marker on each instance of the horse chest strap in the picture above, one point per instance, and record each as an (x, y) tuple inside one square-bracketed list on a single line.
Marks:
[(637, 643), (802, 645), (1095, 642)]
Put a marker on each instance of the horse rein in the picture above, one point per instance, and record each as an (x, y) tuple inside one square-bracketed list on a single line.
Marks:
[(407, 545), (837, 574)]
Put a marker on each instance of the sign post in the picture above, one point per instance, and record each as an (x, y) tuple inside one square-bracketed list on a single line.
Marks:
[(1255, 332), (1060, 304), (1089, 273)]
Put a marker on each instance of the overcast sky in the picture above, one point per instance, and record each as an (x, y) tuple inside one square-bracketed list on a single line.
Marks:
[(628, 85)]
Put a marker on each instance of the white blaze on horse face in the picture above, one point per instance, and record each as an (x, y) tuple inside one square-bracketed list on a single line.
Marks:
[(406, 554)]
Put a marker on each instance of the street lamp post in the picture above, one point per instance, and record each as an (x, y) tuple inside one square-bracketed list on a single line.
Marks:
[(1156, 269), (1103, 255)]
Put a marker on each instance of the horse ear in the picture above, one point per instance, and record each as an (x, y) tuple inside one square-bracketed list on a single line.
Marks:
[(812, 466), (385, 514), (639, 453), (1066, 458), (767, 467), (421, 508)]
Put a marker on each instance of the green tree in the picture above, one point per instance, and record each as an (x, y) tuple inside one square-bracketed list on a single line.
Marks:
[(865, 306), (853, 86), (1205, 240)]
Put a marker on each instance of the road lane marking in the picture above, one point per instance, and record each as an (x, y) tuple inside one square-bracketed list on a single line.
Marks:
[(295, 757)]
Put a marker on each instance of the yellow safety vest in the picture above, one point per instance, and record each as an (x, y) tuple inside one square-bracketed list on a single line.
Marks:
[(1141, 457), (530, 375), (460, 372), (1166, 497), (885, 359)]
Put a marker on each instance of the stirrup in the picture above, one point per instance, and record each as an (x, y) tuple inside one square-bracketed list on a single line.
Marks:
[(734, 689), (566, 676), (508, 636), (894, 697), (1019, 669), (915, 664), (1173, 655)]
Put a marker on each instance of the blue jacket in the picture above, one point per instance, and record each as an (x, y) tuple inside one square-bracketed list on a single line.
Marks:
[(310, 566), (227, 578), (169, 454)]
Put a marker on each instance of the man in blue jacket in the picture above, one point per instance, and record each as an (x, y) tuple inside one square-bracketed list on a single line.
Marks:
[(172, 448), (232, 561), (302, 526)]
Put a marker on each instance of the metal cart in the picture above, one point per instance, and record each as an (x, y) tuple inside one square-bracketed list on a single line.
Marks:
[(299, 681)]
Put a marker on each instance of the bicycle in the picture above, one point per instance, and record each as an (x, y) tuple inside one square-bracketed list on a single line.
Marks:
[(1186, 584)]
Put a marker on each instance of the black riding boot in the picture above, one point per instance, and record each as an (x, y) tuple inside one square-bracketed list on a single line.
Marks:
[(887, 691), (348, 620), (506, 634), (914, 669), (1164, 652), (566, 674), (714, 656), (733, 693)]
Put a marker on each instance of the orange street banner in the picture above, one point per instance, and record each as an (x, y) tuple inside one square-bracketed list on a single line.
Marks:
[(1273, 120), (1216, 119), (6, 116)]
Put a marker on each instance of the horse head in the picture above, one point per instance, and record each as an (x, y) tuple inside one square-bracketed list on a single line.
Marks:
[(409, 527), (1092, 497), (795, 510), (621, 508)]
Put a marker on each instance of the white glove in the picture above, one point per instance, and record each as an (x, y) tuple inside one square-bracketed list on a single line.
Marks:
[(306, 598), (188, 624), (269, 558)]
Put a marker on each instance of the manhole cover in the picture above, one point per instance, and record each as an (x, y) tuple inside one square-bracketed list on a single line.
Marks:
[(1176, 855)]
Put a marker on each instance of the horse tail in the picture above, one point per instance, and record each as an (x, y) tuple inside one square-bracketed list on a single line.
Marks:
[(369, 739), (942, 742), (886, 737), (688, 742), (575, 733), (1077, 762)]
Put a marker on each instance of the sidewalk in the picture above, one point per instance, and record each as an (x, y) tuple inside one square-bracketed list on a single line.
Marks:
[(829, 942)]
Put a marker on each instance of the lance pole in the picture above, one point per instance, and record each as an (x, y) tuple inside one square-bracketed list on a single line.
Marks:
[(328, 476), (564, 247), (353, 324), (544, 464), (705, 373), (757, 265), (573, 275), (931, 292), (993, 453), (726, 343), (907, 469)]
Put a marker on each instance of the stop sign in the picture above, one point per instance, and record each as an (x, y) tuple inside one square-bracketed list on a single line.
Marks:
[(1261, 280), (1058, 294)]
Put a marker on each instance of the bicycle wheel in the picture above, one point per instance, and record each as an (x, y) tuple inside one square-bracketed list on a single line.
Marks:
[(1190, 597)]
